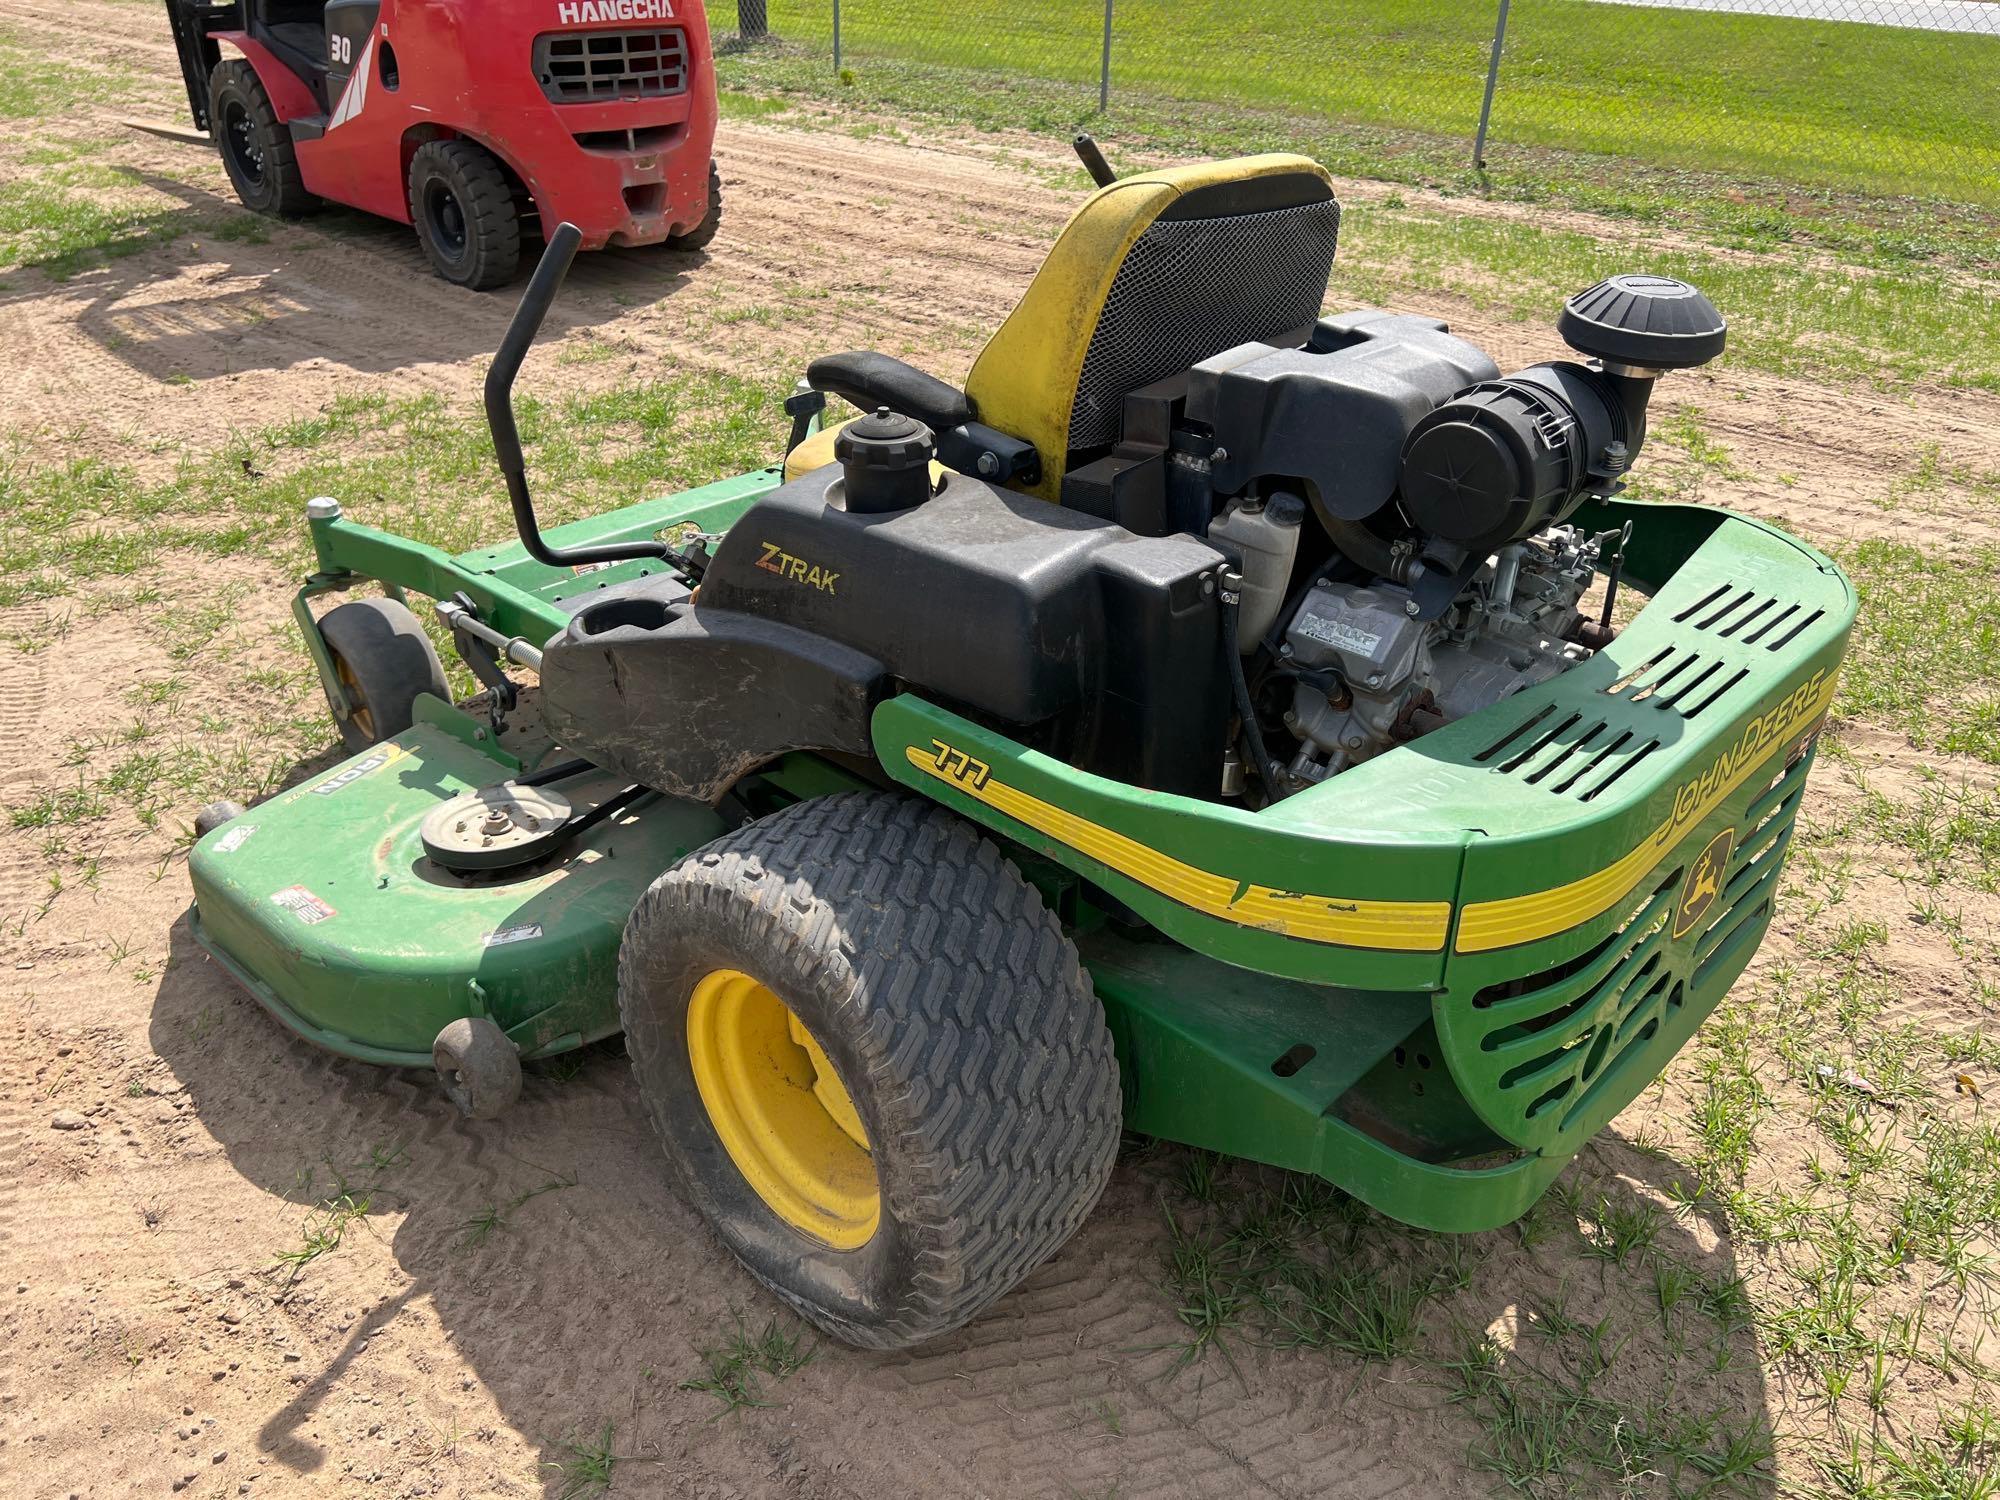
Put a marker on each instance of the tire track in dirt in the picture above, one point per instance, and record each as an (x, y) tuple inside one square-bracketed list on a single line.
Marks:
[(23, 694)]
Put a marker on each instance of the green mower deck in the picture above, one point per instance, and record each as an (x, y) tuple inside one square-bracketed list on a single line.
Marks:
[(368, 950)]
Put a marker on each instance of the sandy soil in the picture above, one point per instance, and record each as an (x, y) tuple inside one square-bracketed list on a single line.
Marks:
[(150, 1348)]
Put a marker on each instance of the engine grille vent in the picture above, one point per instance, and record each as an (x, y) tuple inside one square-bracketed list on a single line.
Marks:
[(1567, 753), (1553, 1035), (1743, 614), (1544, 1050), (1677, 679), (590, 67)]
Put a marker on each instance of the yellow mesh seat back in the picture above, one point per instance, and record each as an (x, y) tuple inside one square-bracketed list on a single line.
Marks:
[(1153, 274)]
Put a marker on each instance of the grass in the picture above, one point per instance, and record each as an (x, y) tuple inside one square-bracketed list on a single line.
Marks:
[(33, 88), (1791, 313), (586, 1465), (1925, 644), (66, 220), (734, 1371), (1670, 116), (414, 465), (338, 1213), (324, 1231), (495, 1216)]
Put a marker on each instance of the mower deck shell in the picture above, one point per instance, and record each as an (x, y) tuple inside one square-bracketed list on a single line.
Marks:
[(323, 903)]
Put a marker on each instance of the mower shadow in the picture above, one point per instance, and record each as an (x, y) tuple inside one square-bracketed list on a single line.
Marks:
[(342, 290), (574, 1289)]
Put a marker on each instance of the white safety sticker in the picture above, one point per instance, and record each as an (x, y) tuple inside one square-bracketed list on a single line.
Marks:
[(353, 773), (303, 904), (526, 932), (235, 839)]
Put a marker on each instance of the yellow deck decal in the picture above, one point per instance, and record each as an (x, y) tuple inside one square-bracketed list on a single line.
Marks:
[(1399, 926), (1486, 925)]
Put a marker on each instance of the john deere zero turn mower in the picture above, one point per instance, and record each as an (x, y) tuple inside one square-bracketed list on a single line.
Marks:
[(1206, 721)]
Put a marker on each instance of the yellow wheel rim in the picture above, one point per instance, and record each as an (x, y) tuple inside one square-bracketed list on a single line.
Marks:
[(358, 712), (781, 1111)]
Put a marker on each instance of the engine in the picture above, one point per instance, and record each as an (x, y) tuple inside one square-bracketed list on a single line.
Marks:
[(1370, 675), (1445, 489)]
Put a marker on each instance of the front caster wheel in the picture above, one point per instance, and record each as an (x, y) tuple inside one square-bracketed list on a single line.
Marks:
[(478, 1066), (384, 661), (873, 1059), (213, 815)]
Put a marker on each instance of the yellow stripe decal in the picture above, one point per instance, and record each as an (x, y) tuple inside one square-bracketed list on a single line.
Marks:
[(1399, 926), (1486, 925), (1396, 926)]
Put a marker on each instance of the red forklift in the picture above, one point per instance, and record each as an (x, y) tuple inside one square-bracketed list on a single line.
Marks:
[(469, 120)]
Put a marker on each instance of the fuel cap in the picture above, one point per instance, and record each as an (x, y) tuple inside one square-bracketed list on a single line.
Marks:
[(885, 462)]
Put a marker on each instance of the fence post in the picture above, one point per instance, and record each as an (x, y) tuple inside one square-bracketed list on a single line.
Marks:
[(753, 20), (1492, 82), (1104, 71)]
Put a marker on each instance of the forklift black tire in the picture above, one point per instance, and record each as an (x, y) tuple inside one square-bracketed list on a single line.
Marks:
[(464, 211), (213, 815), (256, 148), (874, 1060), (479, 1068), (384, 660), (698, 237)]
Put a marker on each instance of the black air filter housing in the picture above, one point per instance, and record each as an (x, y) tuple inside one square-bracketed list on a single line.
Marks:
[(1643, 322), (1510, 456)]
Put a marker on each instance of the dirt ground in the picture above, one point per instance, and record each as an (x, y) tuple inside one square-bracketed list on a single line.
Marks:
[(162, 1141)]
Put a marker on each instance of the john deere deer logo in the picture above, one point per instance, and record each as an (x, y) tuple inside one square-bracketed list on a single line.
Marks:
[(1704, 881)]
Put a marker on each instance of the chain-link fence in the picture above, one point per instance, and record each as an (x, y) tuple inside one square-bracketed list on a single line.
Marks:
[(1877, 97)]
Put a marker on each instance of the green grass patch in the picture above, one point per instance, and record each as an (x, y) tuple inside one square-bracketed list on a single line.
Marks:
[(586, 1465), (1925, 644), (735, 1370), (34, 88), (1790, 313), (416, 466), (1778, 128), (71, 218)]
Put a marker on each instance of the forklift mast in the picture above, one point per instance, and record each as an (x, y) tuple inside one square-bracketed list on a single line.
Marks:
[(195, 22)]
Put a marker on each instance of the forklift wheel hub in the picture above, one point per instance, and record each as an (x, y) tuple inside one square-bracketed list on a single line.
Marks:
[(446, 216), (781, 1110), (241, 137), (496, 827)]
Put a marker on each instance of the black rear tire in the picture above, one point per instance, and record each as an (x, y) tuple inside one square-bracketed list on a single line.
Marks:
[(698, 237), (256, 148), (465, 215), (384, 661), (957, 1016)]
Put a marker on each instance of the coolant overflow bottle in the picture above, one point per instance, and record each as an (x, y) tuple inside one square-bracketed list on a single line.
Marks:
[(885, 463), (1262, 537)]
